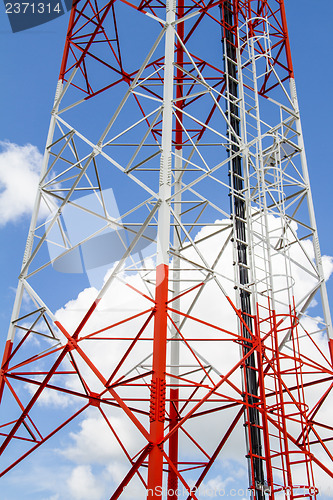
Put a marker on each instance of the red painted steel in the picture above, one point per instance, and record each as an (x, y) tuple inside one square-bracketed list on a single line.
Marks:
[(160, 413), (4, 365), (158, 385)]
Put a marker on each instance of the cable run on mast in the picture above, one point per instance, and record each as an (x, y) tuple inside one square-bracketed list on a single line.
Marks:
[(238, 214)]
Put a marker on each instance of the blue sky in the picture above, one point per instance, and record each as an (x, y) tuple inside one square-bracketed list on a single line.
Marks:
[(30, 62)]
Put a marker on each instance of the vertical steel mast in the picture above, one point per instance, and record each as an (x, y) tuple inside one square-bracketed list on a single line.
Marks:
[(172, 293)]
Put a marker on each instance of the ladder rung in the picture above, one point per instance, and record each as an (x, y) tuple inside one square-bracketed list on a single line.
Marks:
[(242, 242)]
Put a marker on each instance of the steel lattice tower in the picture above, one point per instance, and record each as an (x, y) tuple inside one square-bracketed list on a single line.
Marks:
[(188, 113)]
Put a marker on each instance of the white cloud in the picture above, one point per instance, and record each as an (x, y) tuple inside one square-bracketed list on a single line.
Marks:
[(53, 398), (42, 478), (327, 266), (83, 485), (19, 174), (50, 398), (95, 443), (96, 457)]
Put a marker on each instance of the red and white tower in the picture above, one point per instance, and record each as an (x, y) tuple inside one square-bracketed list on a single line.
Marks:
[(175, 157)]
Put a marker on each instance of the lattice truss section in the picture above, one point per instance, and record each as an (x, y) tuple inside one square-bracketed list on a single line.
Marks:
[(170, 149)]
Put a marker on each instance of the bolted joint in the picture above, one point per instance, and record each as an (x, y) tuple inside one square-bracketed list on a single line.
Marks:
[(72, 344), (157, 400), (94, 399)]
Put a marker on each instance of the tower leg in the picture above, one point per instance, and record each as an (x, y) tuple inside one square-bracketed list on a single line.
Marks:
[(6, 355), (158, 383), (157, 401), (174, 354)]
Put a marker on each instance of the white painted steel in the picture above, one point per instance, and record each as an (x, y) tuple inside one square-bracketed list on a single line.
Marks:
[(163, 233), (323, 289)]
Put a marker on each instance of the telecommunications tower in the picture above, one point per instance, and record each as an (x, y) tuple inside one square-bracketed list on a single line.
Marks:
[(175, 179)]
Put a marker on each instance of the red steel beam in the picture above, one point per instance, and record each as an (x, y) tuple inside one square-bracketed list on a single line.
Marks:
[(158, 385)]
